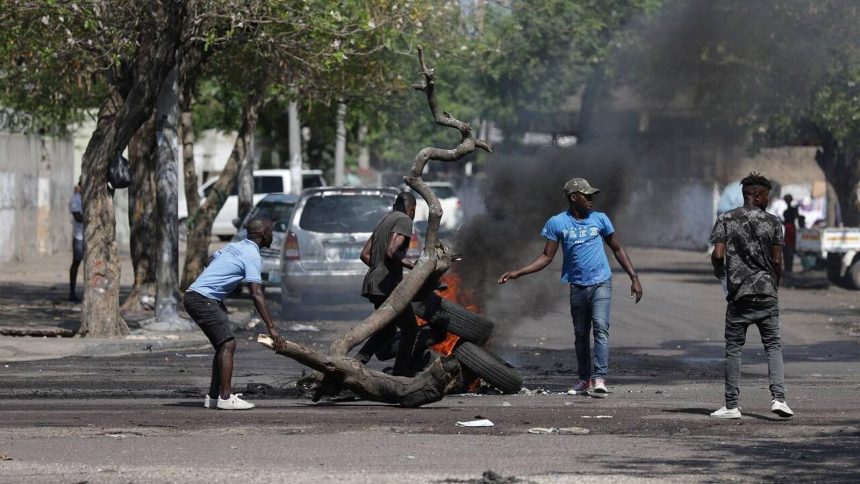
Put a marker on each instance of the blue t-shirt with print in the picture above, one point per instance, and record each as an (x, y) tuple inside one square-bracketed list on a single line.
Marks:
[(581, 242), (235, 263)]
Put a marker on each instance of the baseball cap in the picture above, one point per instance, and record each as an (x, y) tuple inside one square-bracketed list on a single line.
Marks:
[(579, 185)]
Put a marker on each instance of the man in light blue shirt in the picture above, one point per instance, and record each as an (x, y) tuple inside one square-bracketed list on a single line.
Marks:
[(581, 232), (227, 268)]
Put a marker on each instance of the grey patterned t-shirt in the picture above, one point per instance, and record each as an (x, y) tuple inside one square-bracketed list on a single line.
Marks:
[(749, 235)]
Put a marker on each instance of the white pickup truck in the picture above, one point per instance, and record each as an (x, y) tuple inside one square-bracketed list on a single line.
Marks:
[(839, 247)]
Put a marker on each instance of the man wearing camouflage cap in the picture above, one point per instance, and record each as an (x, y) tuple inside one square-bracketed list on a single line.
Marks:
[(581, 232)]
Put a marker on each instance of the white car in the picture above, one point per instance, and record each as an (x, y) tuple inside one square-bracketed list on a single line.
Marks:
[(265, 182), (452, 208)]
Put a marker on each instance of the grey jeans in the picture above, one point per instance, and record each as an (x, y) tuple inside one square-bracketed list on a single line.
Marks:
[(739, 316)]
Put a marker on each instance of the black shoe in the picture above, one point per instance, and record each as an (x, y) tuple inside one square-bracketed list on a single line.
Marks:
[(73, 298)]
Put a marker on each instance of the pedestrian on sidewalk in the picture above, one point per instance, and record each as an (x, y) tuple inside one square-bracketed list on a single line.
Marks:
[(581, 232), (76, 208), (747, 254), (384, 254), (204, 301)]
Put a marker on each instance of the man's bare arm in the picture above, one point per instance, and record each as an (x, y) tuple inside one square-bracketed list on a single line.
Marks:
[(393, 252), (260, 304), (541, 261), (624, 261), (776, 260), (718, 259), (365, 252)]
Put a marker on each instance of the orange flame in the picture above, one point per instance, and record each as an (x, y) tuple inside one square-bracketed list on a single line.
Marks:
[(457, 293)]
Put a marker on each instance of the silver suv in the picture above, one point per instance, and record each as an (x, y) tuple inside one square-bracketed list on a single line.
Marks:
[(329, 227)]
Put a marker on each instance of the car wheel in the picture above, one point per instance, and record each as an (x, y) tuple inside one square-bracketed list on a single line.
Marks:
[(455, 319), (853, 276), (489, 367), (834, 268)]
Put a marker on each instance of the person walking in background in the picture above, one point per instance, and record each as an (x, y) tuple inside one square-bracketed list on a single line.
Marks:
[(581, 232), (789, 218), (748, 255), (227, 268), (76, 208)]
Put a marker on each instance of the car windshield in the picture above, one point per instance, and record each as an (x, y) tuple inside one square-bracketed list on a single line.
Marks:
[(344, 213), (443, 191), (276, 211)]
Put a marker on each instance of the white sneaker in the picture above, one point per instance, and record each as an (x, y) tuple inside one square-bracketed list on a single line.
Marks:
[(600, 386), (210, 402), (781, 409), (234, 403), (724, 412)]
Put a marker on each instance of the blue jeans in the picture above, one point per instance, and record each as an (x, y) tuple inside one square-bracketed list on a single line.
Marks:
[(589, 308)]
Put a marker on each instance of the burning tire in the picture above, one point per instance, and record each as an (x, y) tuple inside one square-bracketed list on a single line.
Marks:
[(489, 367), (441, 313)]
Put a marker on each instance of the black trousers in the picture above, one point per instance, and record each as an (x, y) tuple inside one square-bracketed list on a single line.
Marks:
[(405, 322)]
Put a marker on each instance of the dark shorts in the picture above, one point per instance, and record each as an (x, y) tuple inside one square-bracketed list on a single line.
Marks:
[(77, 250), (210, 315)]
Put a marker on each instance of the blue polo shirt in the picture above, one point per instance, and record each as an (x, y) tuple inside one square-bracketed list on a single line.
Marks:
[(235, 263), (581, 242)]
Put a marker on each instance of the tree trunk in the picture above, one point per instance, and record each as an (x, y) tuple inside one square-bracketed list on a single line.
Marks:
[(120, 116), (596, 89), (167, 201), (841, 167), (246, 182), (189, 170), (200, 224), (295, 138), (141, 153), (363, 149), (340, 146)]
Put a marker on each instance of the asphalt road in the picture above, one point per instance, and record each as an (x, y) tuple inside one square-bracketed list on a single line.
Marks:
[(140, 418)]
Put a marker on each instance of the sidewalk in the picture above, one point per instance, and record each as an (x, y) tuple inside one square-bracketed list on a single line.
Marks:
[(33, 298)]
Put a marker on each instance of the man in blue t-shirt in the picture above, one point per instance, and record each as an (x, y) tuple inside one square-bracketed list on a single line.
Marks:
[(581, 232), (227, 268)]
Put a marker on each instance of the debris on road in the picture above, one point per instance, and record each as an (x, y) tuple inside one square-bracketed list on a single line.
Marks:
[(5, 457), (483, 422), (559, 430), (596, 416), (304, 327)]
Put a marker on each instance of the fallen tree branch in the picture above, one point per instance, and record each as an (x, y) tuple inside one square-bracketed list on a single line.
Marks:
[(440, 378), (336, 371)]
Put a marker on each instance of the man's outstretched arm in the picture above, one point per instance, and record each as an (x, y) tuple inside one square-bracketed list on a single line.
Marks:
[(541, 261)]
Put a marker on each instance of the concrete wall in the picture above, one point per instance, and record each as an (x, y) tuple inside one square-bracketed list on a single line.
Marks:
[(36, 181), (677, 214)]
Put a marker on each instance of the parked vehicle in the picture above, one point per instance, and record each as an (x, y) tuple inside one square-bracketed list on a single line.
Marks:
[(452, 211), (277, 207), (328, 229), (265, 181), (838, 247)]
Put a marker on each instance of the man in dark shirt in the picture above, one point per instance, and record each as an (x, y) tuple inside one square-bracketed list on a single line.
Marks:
[(384, 254), (747, 252), (789, 216)]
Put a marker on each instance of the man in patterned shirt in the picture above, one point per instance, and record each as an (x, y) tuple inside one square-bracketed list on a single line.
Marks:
[(747, 253)]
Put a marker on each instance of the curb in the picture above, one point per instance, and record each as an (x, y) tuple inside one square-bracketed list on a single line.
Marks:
[(33, 349)]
